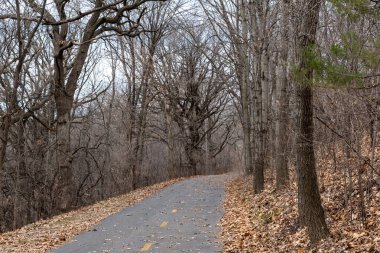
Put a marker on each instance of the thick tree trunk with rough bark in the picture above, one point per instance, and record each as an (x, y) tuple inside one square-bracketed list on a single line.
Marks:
[(260, 89), (64, 97), (63, 181), (63, 190), (65, 86), (194, 156), (311, 213)]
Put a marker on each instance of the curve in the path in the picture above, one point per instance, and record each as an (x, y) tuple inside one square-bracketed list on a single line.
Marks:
[(180, 218)]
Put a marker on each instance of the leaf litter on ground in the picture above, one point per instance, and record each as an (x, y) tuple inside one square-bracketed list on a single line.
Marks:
[(267, 222), (45, 235)]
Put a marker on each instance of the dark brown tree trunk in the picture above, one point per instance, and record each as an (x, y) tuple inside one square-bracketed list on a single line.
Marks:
[(311, 213)]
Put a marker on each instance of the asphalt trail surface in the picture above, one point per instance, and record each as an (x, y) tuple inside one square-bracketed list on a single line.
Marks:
[(180, 218)]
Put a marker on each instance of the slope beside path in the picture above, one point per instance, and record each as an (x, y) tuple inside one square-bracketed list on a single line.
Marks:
[(181, 218)]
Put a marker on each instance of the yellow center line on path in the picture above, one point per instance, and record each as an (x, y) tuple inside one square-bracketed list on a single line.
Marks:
[(164, 224), (174, 210), (146, 247)]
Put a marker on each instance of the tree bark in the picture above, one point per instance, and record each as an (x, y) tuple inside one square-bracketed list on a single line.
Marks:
[(260, 89), (172, 164), (64, 90), (141, 121), (5, 124), (63, 191), (259, 158), (243, 73), (23, 185), (311, 213), (282, 174)]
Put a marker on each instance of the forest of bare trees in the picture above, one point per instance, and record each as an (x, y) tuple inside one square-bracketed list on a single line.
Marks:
[(101, 97)]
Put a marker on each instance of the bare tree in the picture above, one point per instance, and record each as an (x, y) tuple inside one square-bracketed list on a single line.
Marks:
[(229, 21), (192, 82), (66, 75)]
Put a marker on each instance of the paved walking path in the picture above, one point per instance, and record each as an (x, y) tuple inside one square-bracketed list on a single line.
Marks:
[(180, 218)]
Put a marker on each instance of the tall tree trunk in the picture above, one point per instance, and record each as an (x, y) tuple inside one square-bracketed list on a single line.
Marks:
[(63, 181), (243, 70), (172, 165), (259, 158), (4, 132), (65, 86), (11, 104), (5, 124), (63, 190), (140, 141), (23, 185), (193, 151), (260, 65), (311, 213), (141, 121), (210, 160), (374, 129), (282, 174), (107, 173)]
